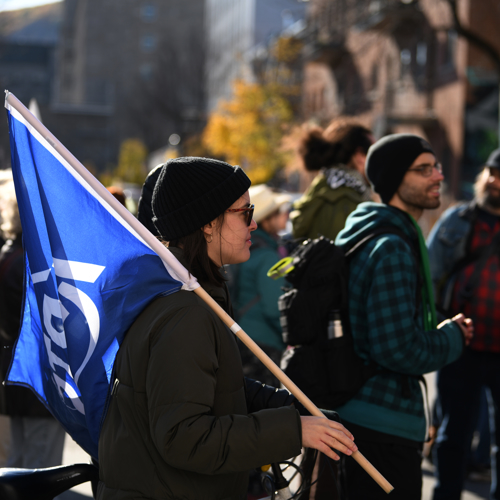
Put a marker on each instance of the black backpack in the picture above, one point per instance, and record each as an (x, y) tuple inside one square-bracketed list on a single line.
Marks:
[(315, 322)]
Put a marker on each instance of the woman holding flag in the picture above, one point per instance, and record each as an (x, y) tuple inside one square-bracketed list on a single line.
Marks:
[(182, 421)]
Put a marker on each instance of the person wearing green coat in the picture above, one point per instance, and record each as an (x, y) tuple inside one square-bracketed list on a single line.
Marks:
[(338, 154), (183, 422)]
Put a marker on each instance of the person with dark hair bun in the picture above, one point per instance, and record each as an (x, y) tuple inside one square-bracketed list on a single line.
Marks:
[(338, 154)]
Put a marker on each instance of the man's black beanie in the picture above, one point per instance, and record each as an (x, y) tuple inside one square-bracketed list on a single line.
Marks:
[(389, 159), (494, 159), (191, 192)]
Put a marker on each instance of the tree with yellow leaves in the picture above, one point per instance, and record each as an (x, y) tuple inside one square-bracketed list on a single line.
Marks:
[(131, 164), (248, 129)]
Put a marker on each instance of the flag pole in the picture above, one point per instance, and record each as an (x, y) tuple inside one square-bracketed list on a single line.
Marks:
[(286, 381), (179, 271)]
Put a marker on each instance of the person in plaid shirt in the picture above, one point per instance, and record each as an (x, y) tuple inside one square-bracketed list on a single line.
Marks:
[(464, 247), (392, 315)]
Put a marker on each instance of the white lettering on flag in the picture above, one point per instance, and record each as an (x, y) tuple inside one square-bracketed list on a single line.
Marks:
[(53, 308), (77, 271)]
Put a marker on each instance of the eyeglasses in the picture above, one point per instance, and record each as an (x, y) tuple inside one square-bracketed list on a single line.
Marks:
[(248, 212), (426, 169)]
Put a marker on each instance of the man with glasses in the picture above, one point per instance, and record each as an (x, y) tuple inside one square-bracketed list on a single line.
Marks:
[(464, 249), (393, 319)]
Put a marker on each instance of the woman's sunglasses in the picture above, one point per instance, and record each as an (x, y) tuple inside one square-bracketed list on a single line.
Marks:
[(248, 212)]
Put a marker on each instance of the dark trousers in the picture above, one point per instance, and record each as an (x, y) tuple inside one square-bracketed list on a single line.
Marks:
[(399, 464), (459, 395), (321, 471)]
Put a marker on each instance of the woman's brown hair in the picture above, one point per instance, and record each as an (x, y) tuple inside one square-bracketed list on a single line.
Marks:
[(199, 264)]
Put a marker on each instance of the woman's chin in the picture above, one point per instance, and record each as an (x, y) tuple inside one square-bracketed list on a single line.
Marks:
[(240, 258)]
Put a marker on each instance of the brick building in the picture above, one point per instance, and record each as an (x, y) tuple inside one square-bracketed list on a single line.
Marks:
[(400, 66)]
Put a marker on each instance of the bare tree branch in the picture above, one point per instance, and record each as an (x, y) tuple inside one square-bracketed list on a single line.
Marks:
[(473, 38)]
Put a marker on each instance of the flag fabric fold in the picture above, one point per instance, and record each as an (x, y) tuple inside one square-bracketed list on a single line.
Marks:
[(89, 274)]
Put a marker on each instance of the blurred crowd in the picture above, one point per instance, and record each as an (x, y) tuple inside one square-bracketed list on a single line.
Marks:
[(343, 200)]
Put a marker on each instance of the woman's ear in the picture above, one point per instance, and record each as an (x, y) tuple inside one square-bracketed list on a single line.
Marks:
[(208, 228), (208, 231)]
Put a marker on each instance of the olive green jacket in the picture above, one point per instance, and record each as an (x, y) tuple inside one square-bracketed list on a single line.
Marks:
[(177, 425), (322, 211)]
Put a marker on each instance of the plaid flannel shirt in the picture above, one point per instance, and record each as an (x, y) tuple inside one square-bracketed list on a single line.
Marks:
[(387, 327), (483, 305)]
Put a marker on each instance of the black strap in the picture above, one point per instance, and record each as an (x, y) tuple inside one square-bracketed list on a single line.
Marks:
[(380, 231)]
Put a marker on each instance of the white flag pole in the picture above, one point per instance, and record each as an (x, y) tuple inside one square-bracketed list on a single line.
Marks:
[(180, 272)]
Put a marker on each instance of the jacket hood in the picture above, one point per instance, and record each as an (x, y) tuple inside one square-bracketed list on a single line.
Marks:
[(304, 211), (369, 216)]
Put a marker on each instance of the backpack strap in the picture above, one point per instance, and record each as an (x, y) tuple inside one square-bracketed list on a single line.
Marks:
[(414, 250), (380, 231)]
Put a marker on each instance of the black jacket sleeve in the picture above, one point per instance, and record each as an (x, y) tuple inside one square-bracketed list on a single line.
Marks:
[(260, 396)]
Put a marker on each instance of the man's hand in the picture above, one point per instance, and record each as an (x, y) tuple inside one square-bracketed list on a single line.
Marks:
[(465, 324), (325, 435)]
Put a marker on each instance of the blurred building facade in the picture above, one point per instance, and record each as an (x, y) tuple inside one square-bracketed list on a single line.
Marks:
[(238, 31), (105, 70), (27, 59), (400, 66), (125, 69)]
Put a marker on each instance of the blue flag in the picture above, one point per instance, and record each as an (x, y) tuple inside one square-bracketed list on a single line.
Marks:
[(88, 276)]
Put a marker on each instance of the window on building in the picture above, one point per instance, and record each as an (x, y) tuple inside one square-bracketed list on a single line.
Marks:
[(146, 71), (148, 43), (450, 46), (421, 53), (148, 12), (405, 58), (96, 91)]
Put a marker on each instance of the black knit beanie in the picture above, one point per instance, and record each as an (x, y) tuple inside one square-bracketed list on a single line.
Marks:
[(191, 192), (144, 207), (389, 159)]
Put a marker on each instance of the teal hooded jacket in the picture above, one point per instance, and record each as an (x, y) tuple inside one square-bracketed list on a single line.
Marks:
[(387, 325), (256, 297)]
